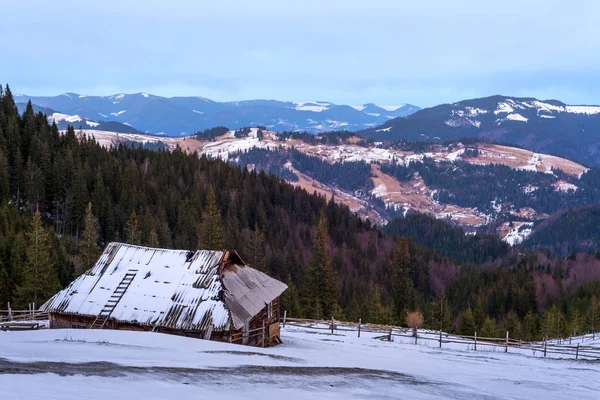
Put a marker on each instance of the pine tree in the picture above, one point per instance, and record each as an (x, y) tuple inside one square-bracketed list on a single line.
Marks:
[(404, 291), (488, 329), (89, 250), (77, 202), (321, 288), (512, 324), (479, 313), (211, 234), (132, 229), (4, 285), (530, 327), (290, 300), (34, 185), (466, 326), (576, 322), (255, 250), (439, 315), (378, 313), (4, 178), (39, 278)]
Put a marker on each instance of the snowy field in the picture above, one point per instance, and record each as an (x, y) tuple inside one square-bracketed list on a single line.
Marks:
[(101, 364)]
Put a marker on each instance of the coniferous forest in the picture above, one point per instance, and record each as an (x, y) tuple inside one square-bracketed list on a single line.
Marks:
[(63, 197)]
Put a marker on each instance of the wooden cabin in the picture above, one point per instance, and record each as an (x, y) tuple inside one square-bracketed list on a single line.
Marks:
[(204, 294)]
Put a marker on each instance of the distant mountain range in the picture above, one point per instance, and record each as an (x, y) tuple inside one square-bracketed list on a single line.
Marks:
[(177, 116), (548, 126)]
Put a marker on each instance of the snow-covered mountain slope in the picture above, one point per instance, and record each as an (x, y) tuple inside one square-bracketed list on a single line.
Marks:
[(310, 364), (387, 195), (177, 116), (77, 121), (547, 126)]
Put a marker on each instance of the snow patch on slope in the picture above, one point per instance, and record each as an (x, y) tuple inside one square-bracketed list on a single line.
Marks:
[(58, 117), (314, 106), (516, 117), (563, 186), (519, 233), (391, 108)]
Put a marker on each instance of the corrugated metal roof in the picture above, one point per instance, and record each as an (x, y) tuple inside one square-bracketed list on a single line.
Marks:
[(177, 289), (247, 291)]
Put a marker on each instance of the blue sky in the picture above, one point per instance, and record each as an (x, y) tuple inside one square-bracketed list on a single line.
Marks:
[(424, 52)]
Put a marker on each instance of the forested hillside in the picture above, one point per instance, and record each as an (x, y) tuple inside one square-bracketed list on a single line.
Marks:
[(546, 126), (570, 230), (447, 240), (488, 186), (63, 197)]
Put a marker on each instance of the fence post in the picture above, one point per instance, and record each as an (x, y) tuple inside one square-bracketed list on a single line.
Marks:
[(9, 312), (506, 349), (440, 338), (359, 323), (332, 325), (475, 348), (390, 335), (577, 352), (284, 317), (570, 337), (263, 334), (545, 344)]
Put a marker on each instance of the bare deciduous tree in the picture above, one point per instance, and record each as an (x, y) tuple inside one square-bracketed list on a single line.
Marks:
[(414, 320)]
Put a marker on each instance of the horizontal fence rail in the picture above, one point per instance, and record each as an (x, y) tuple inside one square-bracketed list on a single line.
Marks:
[(31, 314), (544, 348)]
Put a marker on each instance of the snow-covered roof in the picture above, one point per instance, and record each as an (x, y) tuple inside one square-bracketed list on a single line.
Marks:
[(175, 289)]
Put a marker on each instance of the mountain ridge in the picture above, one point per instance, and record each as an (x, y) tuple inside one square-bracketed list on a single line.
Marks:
[(184, 115), (549, 126)]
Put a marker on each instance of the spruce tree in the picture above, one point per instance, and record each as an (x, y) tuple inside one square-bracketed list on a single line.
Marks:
[(479, 313), (89, 250), (439, 315), (4, 285), (39, 279), (211, 234), (321, 287), (403, 287), (255, 250), (290, 300), (576, 322), (378, 312), (488, 328), (529, 326), (4, 179), (466, 326), (513, 325)]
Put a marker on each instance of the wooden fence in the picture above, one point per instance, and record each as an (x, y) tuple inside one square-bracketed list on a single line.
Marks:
[(30, 314), (576, 351)]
